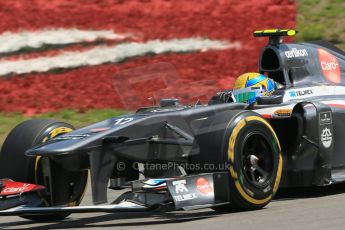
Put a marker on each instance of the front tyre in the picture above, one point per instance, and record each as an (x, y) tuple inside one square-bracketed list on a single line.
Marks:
[(68, 187), (255, 162)]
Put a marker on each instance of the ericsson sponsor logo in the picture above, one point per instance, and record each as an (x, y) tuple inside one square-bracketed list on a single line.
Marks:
[(296, 53), (180, 187), (300, 93)]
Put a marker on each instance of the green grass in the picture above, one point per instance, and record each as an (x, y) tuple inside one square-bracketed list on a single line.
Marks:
[(321, 20), (9, 120)]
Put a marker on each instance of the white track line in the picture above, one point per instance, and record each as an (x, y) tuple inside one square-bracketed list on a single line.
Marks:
[(11, 42), (115, 53)]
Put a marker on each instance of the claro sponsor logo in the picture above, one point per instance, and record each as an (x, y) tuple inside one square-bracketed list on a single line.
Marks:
[(329, 65), (332, 65), (23, 188), (203, 186), (296, 53)]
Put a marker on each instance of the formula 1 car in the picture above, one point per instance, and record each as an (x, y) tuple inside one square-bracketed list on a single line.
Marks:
[(225, 156)]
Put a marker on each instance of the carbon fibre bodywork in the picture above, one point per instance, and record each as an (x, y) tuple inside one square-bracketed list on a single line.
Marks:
[(306, 112)]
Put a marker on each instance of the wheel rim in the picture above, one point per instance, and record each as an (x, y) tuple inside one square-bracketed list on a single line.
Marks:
[(257, 160)]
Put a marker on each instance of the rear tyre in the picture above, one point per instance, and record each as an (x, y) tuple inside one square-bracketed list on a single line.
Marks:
[(14, 164), (255, 163)]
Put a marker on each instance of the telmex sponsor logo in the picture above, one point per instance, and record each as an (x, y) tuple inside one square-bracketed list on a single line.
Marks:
[(296, 53), (184, 197), (299, 93), (203, 186), (329, 65), (180, 186)]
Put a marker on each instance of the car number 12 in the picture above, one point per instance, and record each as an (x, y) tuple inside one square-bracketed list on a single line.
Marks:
[(122, 121)]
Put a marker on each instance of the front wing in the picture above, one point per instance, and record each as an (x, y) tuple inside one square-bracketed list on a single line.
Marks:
[(184, 193)]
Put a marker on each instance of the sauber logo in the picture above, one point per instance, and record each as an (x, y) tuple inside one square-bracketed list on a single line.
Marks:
[(329, 65), (203, 186)]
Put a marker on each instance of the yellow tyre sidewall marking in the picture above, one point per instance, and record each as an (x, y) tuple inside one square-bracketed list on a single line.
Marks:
[(59, 130), (232, 139), (231, 156)]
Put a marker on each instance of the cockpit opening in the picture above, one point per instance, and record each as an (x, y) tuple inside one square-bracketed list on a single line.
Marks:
[(269, 60)]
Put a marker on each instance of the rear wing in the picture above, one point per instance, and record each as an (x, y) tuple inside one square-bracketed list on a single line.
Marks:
[(275, 35)]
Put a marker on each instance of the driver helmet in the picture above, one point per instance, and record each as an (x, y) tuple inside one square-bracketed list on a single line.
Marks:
[(249, 86)]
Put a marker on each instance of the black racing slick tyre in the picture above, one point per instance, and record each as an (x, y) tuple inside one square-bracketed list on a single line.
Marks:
[(67, 187), (253, 152)]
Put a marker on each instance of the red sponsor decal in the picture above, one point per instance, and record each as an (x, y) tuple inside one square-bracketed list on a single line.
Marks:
[(12, 188), (98, 129), (330, 66), (203, 186)]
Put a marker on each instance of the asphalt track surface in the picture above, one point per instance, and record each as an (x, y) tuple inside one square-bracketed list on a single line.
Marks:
[(317, 208)]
